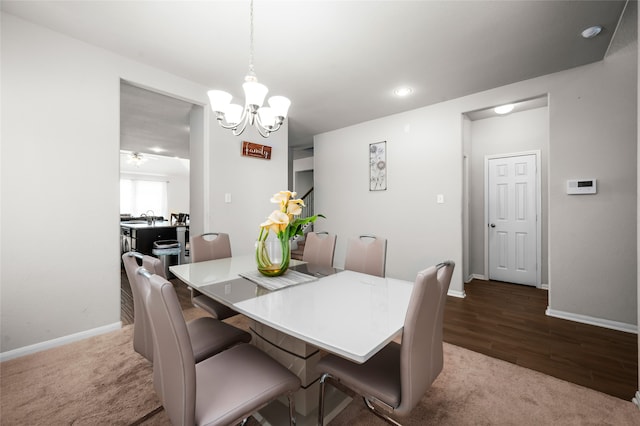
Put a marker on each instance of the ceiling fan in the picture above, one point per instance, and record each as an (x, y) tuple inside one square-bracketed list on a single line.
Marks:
[(136, 158)]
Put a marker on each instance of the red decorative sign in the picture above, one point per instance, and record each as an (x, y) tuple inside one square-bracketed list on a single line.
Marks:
[(256, 150)]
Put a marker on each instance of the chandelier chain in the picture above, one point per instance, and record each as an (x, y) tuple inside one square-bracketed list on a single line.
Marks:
[(251, 69)]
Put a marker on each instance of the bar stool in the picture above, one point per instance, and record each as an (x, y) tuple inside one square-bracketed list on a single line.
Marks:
[(165, 248)]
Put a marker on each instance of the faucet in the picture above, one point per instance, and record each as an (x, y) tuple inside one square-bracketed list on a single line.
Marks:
[(151, 220)]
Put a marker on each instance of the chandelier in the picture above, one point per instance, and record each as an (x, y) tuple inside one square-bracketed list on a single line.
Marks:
[(266, 119)]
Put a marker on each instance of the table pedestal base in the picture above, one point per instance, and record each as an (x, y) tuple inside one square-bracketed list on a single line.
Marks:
[(301, 359), (277, 413)]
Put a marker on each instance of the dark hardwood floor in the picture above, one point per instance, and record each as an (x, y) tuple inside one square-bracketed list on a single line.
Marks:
[(508, 321)]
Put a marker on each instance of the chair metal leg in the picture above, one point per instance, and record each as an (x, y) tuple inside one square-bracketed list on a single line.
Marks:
[(323, 378), (292, 410), (383, 416)]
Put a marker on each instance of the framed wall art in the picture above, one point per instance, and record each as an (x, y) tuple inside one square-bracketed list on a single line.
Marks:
[(378, 166)]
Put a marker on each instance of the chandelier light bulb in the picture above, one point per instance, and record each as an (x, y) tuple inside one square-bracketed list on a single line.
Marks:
[(219, 100), (233, 113), (254, 93), (267, 119), (279, 105)]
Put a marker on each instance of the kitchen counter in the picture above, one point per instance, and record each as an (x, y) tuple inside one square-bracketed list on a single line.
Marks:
[(139, 236), (137, 224)]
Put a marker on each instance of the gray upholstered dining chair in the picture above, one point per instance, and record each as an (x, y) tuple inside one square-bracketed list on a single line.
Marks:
[(221, 390), (319, 248), (398, 376), (210, 246), (208, 336), (366, 254)]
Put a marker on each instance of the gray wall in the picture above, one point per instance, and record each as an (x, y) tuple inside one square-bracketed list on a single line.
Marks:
[(59, 228), (518, 132), (250, 181), (592, 132)]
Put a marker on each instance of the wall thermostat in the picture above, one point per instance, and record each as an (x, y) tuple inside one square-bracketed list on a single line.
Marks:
[(581, 186)]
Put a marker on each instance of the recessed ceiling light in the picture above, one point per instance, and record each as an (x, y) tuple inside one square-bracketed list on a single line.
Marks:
[(591, 32), (504, 109), (403, 91), (157, 149)]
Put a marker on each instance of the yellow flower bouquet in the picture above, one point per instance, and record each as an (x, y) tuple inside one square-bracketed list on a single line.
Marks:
[(273, 257)]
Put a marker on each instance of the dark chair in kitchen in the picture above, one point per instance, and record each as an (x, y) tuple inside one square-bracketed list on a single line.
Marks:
[(398, 376), (222, 390), (210, 246), (319, 248), (366, 254), (208, 336)]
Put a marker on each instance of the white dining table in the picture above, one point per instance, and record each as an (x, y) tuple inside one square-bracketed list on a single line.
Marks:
[(347, 313)]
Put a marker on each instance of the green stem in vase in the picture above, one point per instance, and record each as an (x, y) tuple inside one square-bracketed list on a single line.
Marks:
[(286, 253)]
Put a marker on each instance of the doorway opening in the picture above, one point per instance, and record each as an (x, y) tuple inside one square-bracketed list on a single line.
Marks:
[(155, 147), (488, 136)]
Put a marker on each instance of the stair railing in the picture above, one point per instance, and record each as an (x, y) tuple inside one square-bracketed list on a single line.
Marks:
[(307, 211)]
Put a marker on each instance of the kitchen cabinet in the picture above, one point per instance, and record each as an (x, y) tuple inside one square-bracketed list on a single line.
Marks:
[(142, 236), (142, 239)]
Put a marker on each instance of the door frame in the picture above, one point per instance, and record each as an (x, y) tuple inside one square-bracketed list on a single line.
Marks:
[(537, 154)]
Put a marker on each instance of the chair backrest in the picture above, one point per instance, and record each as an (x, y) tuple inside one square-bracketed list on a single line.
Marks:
[(366, 254), (174, 364), (210, 246), (142, 335), (319, 248), (421, 355)]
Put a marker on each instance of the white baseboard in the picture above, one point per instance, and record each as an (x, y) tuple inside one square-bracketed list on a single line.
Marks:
[(475, 277), (636, 399), (26, 350), (456, 293), (600, 322), (544, 286)]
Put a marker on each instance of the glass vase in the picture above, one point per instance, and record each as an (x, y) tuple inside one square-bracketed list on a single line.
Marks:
[(273, 257)]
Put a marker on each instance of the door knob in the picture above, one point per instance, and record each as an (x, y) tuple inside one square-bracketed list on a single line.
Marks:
[(493, 225)]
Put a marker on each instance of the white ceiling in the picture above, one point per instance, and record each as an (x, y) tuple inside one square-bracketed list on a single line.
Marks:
[(338, 61), (153, 123)]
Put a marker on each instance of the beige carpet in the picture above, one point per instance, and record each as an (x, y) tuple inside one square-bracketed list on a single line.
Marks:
[(101, 380)]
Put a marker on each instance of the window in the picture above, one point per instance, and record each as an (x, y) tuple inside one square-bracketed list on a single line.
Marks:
[(139, 196)]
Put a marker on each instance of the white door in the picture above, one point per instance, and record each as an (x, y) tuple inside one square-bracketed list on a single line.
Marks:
[(512, 213)]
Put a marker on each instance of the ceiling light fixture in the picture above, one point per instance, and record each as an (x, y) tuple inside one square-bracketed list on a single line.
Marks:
[(504, 109), (403, 91), (591, 32), (136, 159), (235, 117)]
